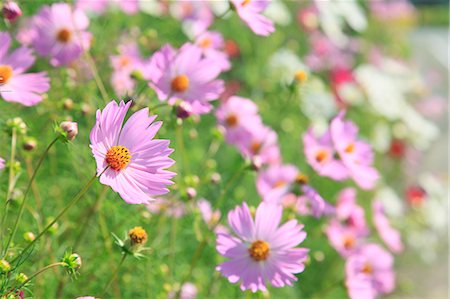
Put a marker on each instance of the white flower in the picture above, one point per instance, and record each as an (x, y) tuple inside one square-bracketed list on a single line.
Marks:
[(284, 64), (317, 103), (381, 137), (392, 203), (278, 12)]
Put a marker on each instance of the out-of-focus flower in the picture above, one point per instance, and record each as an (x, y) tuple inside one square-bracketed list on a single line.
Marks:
[(285, 66), (232, 48), (392, 10), (278, 12), (275, 181), (61, 33), (317, 102), (369, 272), (185, 75), (188, 291), (212, 45), (196, 16), (349, 212), (390, 236), (415, 196), (98, 7), (308, 18), (11, 11), (334, 14), (209, 216), (15, 85), (2, 163), (238, 115), (320, 154), (344, 239), (356, 155), (128, 60), (128, 158), (250, 12), (261, 252), (344, 87), (169, 208)]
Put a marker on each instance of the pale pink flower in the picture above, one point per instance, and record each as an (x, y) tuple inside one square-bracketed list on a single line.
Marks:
[(250, 11), (212, 45), (390, 236), (169, 208)]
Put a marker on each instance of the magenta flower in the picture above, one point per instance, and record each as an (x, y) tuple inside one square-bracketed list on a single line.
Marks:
[(238, 116), (390, 236), (185, 75), (356, 155), (212, 45), (320, 155), (250, 12), (261, 252), (369, 272), (15, 85), (128, 158), (60, 33)]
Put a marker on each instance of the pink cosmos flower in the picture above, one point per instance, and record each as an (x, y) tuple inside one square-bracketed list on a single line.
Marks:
[(98, 7), (185, 75), (169, 208), (188, 291), (15, 85), (2, 163), (350, 213), (273, 182), (238, 115), (320, 154), (344, 239), (261, 252), (209, 216), (128, 60), (196, 16), (128, 158), (317, 205), (260, 144), (60, 33), (356, 155), (250, 12), (369, 272), (388, 234), (212, 45)]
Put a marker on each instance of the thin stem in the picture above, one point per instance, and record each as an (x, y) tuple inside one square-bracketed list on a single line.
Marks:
[(37, 273), (114, 275), (11, 165), (22, 205), (98, 80), (69, 205), (163, 104)]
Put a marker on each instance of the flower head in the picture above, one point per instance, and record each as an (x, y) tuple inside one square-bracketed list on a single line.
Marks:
[(185, 75), (15, 85), (260, 251), (60, 33), (70, 129), (128, 158), (250, 11), (212, 45), (138, 236)]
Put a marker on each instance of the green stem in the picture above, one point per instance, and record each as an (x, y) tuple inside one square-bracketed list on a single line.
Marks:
[(69, 205), (163, 104), (11, 165), (37, 273), (113, 276), (22, 205)]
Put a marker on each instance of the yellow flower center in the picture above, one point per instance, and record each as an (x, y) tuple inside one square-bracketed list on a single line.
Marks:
[(231, 120), (180, 83), (138, 235), (302, 179), (349, 242), (64, 35), (368, 269), (124, 61), (205, 43), (5, 73), (245, 2), (279, 184), (118, 157), (350, 148), (300, 76), (259, 250), (321, 156), (255, 147)]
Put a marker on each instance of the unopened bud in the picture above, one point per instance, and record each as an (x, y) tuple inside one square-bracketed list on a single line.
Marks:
[(18, 124), (21, 278), (215, 178), (29, 144), (184, 110), (29, 236), (71, 261), (11, 11), (191, 192), (138, 236), (4, 266), (70, 128), (68, 104)]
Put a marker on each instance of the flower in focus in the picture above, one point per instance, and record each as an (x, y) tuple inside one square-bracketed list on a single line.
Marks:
[(369, 272), (261, 251), (15, 85), (138, 236), (356, 155), (60, 33), (11, 11), (70, 129), (238, 115), (212, 45), (128, 158), (388, 234), (250, 12), (185, 75)]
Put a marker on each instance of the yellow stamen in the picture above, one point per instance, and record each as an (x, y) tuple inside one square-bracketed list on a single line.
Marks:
[(300, 76), (205, 43), (231, 120), (321, 156), (137, 235), (259, 250), (350, 148), (302, 179), (64, 35), (255, 147), (368, 269), (180, 83), (118, 157), (5, 73)]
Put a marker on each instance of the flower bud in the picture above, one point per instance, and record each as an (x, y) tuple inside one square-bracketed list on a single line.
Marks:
[(29, 144), (29, 236), (18, 124), (71, 261), (70, 129), (4, 266), (183, 110), (215, 178), (21, 278), (11, 11), (68, 104), (138, 236), (191, 192)]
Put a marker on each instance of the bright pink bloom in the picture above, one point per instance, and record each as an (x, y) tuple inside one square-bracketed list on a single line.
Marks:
[(320, 154), (390, 236), (15, 85), (212, 45), (260, 144), (185, 75), (369, 272), (238, 115), (61, 33), (11, 11), (356, 155), (250, 11), (128, 158), (261, 252), (169, 208)]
